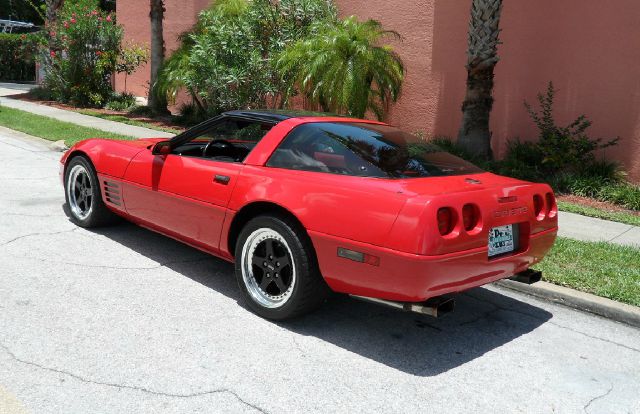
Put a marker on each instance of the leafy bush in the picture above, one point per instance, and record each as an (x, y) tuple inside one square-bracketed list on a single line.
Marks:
[(225, 62), (41, 93), (344, 68), (189, 114), (18, 56), (141, 110), (121, 102), (86, 48), (624, 194), (562, 149)]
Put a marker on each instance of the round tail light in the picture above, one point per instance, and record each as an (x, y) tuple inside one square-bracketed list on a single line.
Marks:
[(538, 206), (470, 216), (446, 220)]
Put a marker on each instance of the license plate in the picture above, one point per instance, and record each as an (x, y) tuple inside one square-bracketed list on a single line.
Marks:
[(502, 240)]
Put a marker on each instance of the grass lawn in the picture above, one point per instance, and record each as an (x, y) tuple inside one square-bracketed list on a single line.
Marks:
[(125, 120), (49, 128), (619, 216), (601, 268)]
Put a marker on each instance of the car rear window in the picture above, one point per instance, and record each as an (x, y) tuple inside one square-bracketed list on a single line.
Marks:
[(363, 149)]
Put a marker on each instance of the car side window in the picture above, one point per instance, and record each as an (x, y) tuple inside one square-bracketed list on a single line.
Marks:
[(236, 130), (228, 140), (315, 147)]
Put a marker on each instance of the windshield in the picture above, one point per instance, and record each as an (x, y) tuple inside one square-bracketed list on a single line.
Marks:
[(365, 150)]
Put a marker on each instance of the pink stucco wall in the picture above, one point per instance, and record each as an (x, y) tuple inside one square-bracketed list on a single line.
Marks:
[(134, 16), (589, 49)]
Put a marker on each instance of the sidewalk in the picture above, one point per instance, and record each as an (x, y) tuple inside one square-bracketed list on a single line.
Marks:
[(8, 89), (575, 226)]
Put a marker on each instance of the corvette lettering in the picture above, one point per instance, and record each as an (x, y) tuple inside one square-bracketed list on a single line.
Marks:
[(516, 211)]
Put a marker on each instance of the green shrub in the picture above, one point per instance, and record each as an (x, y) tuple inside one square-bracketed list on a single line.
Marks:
[(141, 110), (559, 149), (121, 102), (41, 93), (18, 56), (190, 114), (225, 62), (86, 48), (626, 195)]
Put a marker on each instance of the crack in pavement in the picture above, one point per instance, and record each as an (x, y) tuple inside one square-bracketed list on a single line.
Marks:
[(498, 307), (30, 215), (28, 178), (154, 267), (623, 233), (131, 387), (630, 348), (586, 407), (37, 234)]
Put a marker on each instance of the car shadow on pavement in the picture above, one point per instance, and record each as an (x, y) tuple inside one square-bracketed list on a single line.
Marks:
[(419, 345)]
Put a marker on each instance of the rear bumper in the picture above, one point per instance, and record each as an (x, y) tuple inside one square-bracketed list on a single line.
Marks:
[(409, 277)]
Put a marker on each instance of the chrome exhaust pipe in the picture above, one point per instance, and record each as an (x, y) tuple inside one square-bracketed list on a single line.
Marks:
[(529, 276), (436, 307)]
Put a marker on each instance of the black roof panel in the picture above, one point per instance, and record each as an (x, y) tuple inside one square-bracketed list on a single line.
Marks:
[(275, 115)]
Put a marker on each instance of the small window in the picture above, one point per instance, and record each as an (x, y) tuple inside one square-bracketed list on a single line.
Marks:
[(236, 130), (228, 140), (367, 150)]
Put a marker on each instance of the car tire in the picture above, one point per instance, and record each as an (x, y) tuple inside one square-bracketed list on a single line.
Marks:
[(83, 195), (277, 270)]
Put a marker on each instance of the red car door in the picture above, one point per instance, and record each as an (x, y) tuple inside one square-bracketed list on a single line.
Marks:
[(183, 196), (186, 192)]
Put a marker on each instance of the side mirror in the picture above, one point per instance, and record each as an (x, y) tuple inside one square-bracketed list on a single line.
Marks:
[(162, 148)]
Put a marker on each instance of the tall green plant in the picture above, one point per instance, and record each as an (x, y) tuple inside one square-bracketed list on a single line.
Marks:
[(563, 148), (344, 68), (226, 61), (86, 45)]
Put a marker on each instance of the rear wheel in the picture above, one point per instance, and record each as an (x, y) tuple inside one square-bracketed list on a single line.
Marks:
[(276, 269), (82, 193)]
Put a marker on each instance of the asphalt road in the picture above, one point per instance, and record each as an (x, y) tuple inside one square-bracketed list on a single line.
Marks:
[(122, 320)]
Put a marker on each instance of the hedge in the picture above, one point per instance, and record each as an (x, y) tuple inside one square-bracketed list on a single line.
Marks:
[(17, 57)]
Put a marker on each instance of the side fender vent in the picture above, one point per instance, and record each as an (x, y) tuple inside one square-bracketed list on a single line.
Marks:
[(111, 193)]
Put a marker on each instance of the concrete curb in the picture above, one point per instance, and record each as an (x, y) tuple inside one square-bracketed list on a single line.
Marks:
[(59, 146), (586, 302)]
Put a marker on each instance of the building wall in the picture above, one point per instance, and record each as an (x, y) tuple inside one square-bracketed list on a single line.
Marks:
[(134, 16), (590, 49)]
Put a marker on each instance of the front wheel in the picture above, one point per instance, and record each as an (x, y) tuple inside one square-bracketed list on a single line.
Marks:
[(276, 269), (82, 193)]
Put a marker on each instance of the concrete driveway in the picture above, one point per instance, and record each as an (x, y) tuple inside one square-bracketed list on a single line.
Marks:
[(122, 320)]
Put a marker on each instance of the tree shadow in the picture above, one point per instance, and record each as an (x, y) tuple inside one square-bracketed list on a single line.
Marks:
[(483, 320)]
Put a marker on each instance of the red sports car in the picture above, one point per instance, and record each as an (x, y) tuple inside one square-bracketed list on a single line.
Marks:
[(307, 204)]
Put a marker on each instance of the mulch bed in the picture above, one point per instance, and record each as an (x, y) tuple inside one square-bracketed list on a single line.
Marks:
[(602, 205)]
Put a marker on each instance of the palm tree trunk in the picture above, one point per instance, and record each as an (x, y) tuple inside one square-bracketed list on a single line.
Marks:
[(157, 102), (482, 57)]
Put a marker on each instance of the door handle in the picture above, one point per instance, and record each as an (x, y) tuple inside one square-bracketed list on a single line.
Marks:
[(222, 179)]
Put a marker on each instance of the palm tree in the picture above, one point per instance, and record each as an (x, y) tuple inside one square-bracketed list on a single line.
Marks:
[(343, 68), (157, 102), (482, 57)]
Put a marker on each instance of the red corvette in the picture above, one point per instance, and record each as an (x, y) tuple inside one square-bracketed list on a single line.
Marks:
[(308, 204)]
